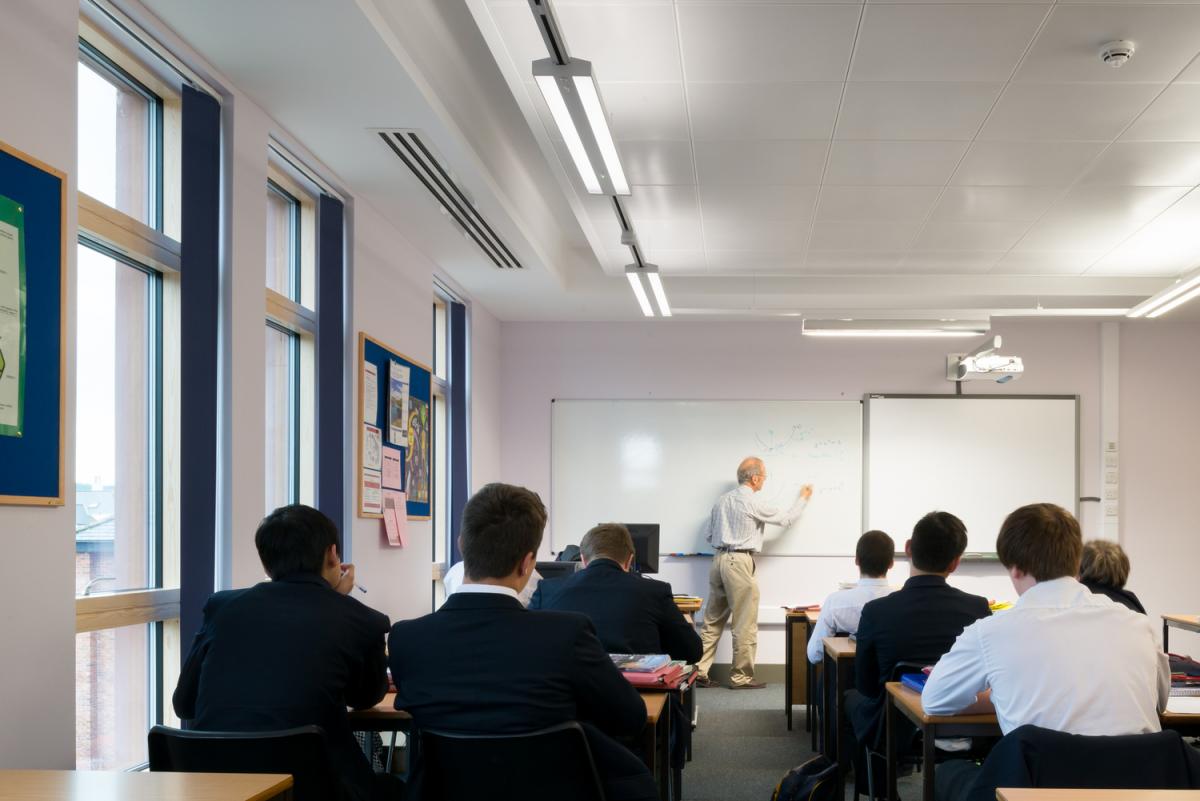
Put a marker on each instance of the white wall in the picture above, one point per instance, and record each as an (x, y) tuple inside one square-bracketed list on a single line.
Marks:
[(770, 360), (37, 575), (1160, 465)]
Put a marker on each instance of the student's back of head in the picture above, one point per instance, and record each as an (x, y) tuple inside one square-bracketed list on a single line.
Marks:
[(938, 540), (1104, 563), (1042, 541), (607, 541), (294, 539), (501, 524), (874, 554)]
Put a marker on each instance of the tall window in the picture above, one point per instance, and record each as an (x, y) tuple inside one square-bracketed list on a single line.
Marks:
[(126, 409), (291, 326), (441, 438)]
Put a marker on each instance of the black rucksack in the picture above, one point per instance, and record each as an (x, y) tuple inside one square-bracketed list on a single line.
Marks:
[(815, 780)]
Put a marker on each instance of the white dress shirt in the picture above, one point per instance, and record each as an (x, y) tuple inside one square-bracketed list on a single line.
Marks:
[(453, 582), (1062, 658), (841, 611), (738, 519)]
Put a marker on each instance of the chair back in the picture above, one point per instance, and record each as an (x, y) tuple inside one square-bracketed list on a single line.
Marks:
[(302, 752), (546, 765), (1030, 756)]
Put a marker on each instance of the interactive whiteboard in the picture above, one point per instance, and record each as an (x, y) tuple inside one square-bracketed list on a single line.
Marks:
[(666, 462), (978, 457)]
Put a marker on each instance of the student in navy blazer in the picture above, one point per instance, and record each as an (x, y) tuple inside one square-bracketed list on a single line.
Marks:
[(917, 623), (632, 614), (483, 664), (293, 651)]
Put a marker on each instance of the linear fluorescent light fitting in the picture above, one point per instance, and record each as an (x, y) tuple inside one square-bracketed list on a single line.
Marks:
[(574, 102), (893, 328), (1179, 293), (639, 277)]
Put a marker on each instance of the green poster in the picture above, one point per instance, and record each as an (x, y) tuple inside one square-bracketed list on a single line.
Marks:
[(12, 317)]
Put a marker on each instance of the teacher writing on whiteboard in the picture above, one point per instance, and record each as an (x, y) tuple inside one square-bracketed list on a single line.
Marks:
[(735, 531)]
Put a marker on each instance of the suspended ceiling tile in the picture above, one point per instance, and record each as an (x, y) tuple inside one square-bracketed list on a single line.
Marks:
[(892, 163), (895, 110), (760, 43), (741, 111), (876, 203), (943, 42), (760, 163), (1082, 111), (1025, 163), (1166, 38), (986, 203)]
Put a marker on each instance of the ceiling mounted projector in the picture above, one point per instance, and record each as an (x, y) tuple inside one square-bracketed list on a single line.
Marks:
[(984, 364)]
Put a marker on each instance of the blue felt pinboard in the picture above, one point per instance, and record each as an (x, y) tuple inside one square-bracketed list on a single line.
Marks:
[(417, 458), (31, 465)]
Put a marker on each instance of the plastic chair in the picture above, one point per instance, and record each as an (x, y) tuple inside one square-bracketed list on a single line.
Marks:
[(302, 752), (870, 752), (547, 765)]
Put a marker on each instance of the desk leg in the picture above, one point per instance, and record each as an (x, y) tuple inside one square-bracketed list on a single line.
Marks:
[(842, 726), (787, 669), (928, 757), (889, 717), (670, 791), (827, 679), (1166, 648)]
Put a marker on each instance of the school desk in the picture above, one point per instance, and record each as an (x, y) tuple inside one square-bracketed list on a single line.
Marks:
[(838, 670), (1185, 622), (98, 785)]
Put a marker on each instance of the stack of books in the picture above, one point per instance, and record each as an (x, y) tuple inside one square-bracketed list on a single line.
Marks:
[(650, 670)]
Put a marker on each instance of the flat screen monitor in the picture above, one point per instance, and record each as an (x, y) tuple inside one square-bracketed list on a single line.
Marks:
[(645, 546), (553, 570)]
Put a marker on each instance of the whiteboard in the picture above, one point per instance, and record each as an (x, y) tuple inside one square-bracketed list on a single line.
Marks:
[(976, 457), (666, 462)]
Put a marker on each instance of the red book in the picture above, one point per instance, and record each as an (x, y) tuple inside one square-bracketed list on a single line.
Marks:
[(666, 676)]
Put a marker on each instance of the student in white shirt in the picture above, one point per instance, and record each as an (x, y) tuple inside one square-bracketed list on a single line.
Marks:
[(454, 579), (1062, 658), (842, 609)]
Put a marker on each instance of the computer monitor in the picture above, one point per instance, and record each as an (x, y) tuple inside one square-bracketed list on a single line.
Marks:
[(645, 546), (553, 570)]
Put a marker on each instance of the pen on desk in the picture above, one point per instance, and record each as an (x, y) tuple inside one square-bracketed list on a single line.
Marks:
[(360, 588)]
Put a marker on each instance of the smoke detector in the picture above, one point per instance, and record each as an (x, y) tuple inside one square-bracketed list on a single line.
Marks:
[(1115, 54)]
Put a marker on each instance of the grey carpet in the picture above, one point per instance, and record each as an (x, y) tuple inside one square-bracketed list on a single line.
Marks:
[(742, 748)]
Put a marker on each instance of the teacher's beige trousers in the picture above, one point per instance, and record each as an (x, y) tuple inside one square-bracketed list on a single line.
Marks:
[(732, 593)]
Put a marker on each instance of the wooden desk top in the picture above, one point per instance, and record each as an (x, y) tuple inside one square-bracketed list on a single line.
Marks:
[(655, 703), (86, 785), (384, 710), (687, 605), (1030, 794), (840, 647), (909, 701), (1184, 621)]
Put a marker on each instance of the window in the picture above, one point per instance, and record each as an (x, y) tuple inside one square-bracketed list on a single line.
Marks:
[(127, 405), (291, 327)]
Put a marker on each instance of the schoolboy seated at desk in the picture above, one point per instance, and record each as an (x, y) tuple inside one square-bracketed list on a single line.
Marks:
[(483, 664), (841, 611), (1062, 658), (916, 623), (292, 651), (632, 614), (1104, 569)]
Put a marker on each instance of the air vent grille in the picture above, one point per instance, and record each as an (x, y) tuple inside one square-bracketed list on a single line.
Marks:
[(418, 157)]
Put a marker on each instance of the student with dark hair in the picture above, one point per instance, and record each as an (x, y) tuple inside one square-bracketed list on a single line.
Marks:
[(1104, 569), (632, 614), (841, 611), (501, 669), (292, 651), (1039, 658), (917, 623)]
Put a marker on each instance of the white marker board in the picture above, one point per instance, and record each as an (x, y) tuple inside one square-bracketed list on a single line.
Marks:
[(666, 462), (978, 457)]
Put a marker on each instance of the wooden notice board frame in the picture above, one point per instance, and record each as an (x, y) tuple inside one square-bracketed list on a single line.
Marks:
[(32, 465), (372, 351)]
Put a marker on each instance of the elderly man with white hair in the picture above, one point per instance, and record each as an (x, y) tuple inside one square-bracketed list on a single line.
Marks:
[(735, 531)]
